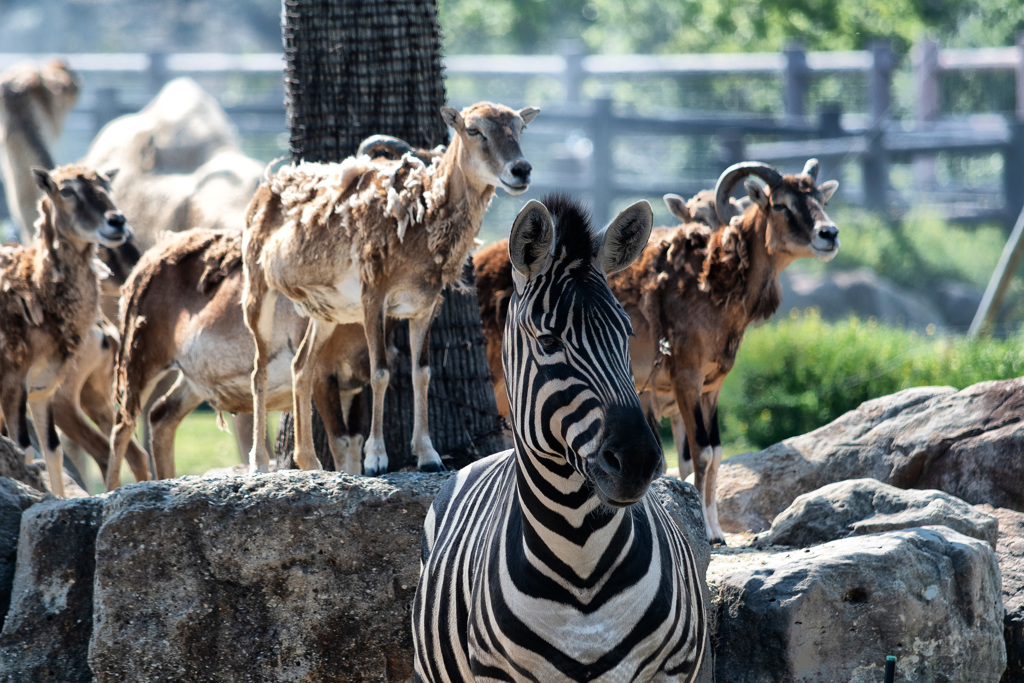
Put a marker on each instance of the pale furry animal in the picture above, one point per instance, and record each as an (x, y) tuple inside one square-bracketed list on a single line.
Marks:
[(49, 300), (35, 100), (366, 239), (182, 314)]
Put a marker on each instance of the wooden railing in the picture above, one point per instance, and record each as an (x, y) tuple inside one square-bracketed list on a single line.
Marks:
[(863, 145)]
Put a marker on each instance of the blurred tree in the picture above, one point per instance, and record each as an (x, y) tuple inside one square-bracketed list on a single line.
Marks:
[(356, 68)]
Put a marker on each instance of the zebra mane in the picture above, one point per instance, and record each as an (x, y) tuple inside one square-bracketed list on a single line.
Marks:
[(576, 236)]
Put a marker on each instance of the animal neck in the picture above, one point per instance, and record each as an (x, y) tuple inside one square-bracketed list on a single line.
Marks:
[(463, 189), (763, 293), (59, 260), (563, 523)]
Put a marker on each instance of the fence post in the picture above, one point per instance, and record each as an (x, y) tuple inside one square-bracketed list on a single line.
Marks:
[(1020, 76), (925, 58), (601, 136), (795, 76), (572, 77), (107, 107), (1013, 169), (876, 164), (157, 72)]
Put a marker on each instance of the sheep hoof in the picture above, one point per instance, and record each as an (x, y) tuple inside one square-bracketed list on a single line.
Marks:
[(432, 467)]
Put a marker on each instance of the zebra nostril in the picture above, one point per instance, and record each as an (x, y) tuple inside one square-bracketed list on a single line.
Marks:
[(611, 461)]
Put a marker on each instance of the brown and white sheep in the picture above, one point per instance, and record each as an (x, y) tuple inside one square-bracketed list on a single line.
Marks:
[(692, 294), (368, 239), (49, 300), (182, 315)]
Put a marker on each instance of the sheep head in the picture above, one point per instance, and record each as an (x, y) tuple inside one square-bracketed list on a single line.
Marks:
[(793, 207)]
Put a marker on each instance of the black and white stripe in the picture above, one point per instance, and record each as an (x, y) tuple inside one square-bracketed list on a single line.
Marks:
[(549, 562)]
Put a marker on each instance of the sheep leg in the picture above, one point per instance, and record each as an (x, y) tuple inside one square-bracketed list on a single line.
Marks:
[(711, 474), (53, 454), (100, 410), (427, 459), (259, 317), (164, 417), (334, 406), (699, 444), (682, 449), (304, 367), (375, 455), (14, 400)]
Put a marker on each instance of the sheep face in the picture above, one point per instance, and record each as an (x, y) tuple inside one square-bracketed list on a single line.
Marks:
[(86, 213), (490, 135), (797, 222)]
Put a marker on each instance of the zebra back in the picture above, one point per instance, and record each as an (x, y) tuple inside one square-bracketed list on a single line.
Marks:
[(550, 561)]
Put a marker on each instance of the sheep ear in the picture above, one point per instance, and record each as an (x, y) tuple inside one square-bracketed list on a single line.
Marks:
[(44, 180), (756, 193), (625, 237), (453, 118), (529, 245), (111, 173), (827, 189), (677, 207), (528, 114)]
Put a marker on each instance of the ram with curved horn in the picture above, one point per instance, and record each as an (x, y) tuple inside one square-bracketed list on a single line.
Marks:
[(691, 295)]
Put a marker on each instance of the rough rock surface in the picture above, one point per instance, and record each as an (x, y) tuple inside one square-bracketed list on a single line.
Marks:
[(15, 498), (966, 443), (1010, 551), (46, 634), (867, 506), (287, 576), (12, 465), (832, 612)]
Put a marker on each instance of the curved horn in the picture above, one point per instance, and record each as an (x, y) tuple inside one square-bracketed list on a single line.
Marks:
[(733, 175), (386, 146), (811, 168)]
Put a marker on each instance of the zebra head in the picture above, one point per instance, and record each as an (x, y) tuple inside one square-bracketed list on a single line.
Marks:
[(572, 401)]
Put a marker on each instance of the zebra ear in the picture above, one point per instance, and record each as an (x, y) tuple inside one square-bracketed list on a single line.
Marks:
[(625, 237), (529, 245)]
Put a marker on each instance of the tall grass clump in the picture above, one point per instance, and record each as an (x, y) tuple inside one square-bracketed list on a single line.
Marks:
[(801, 372)]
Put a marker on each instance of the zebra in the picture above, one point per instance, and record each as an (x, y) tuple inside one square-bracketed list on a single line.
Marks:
[(548, 562)]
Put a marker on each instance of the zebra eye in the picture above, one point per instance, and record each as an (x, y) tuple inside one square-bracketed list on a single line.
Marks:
[(549, 342)]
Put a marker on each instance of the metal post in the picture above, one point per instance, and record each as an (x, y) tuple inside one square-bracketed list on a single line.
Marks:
[(572, 77), (1009, 261), (601, 136), (795, 81), (925, 56), (875, 164)]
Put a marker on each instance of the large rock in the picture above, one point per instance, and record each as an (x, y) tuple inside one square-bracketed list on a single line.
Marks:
[(966, 443), (46, 634), (12, 465), (15, 498), (866, 506), (288, 576), (1010, 551), (832, 612)]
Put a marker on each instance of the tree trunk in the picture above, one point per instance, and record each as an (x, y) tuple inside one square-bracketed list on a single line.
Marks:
[(356, 68)]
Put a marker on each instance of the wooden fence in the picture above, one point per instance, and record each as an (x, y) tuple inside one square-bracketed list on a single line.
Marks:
[(862, 147)]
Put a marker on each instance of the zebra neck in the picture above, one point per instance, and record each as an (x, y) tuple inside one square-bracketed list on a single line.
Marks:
[(563, 523)]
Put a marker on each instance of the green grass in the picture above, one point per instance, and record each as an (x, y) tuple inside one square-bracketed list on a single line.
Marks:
[(199, 446)]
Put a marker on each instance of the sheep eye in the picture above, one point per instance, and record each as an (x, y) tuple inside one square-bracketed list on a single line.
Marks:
[(473, 132), (67, 192), (779, 207)]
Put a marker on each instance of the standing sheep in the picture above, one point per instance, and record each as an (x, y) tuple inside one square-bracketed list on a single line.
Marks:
[(369, 239)]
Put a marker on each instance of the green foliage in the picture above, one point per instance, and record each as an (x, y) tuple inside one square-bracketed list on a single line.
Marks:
[(799, 373), (652, 26)]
